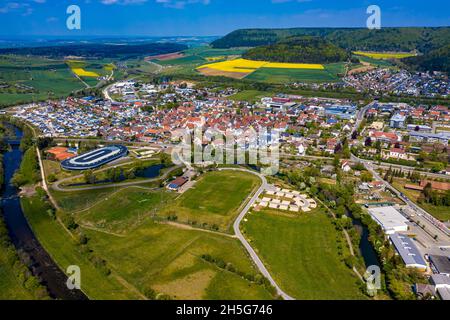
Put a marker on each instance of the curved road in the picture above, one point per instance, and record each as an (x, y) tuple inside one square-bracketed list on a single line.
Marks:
[(57, 185), (240, 236)]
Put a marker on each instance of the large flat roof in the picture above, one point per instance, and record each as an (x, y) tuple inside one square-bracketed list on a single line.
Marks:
[(407, 249), (389, 218), (442, 263)]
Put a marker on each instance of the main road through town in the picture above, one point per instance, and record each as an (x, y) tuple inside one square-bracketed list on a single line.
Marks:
[(423, 216), (236, 226)]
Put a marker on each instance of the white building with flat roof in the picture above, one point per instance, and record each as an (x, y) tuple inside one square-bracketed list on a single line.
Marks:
[(389, 219)]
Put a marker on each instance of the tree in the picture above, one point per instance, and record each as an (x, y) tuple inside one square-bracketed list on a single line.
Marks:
[(89, 177), (366, 176), (437, 167)]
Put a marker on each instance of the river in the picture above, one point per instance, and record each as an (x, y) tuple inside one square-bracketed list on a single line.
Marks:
[(23, 238), (365, 247)]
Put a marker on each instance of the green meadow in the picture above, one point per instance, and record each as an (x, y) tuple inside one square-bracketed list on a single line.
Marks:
[(215, 199), (301, 254)]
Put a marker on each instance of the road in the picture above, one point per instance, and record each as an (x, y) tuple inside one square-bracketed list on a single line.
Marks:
[(236, 226), (431, 224), (57, 185)]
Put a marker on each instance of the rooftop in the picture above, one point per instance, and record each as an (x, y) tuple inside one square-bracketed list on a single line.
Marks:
[(408, 250), (389, 218)]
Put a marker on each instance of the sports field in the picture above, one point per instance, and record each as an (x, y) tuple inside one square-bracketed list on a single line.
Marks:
[(301, 254), (385, 55), (214, 199)]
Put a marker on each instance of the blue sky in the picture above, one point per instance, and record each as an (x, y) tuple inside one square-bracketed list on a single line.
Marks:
[(208, 17)]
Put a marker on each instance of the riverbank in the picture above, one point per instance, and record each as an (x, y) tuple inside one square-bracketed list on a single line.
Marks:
[(22, 236)]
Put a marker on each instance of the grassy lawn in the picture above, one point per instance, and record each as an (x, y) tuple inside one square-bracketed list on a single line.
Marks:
[(124, 209), (60, 245), (79, 200), (301, 254), (214, 199), (250, 95), (10, 287), (168, 260), (439, 212)]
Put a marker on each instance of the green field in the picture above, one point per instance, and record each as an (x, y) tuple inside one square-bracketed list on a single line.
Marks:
[(124, 209), (274, 75), (250, 95), (207, 52), (167, 259), (375, 62), (301, 254), (49, 78), (61, 246), (214, 199)]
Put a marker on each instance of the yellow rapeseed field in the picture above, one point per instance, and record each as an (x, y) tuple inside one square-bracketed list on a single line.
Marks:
[(249, 66), (83, 73), (381, 55), (294, 66)]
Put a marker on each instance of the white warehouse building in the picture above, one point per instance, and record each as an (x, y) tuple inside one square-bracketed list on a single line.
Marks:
[(389, 219)]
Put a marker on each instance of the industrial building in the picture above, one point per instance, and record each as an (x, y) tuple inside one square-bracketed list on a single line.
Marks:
[(440, 264), (389, 219), (408, 251), (442, 285)]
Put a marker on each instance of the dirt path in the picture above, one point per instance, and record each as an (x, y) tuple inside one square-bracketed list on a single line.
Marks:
[(188, 227)]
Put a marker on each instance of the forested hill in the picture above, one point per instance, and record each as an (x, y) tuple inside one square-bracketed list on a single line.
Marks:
[(98, 50), (387, 39), (305, 49), (436, 60)]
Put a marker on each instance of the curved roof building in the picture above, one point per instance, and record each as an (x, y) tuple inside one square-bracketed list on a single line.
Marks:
[(95, 158)]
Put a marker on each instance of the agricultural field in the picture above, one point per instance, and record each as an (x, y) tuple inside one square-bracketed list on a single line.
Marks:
[(375, 62), (214, 199), (329, 73), (33, 79), (241, 68), (90, 71), (385, 55), (302, 255)]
